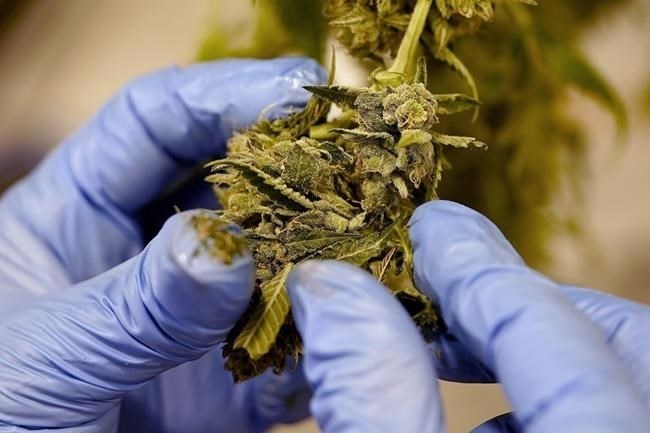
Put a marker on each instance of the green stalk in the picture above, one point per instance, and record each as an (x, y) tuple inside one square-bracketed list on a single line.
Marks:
[(409, 50), (406, 55)]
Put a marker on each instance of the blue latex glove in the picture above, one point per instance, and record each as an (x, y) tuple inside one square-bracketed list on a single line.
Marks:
[(570, 360), (87, 316)]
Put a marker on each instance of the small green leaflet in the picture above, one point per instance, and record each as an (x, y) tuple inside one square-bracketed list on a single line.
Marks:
[(452, 103), (357, 251), (448, 56), (273, 187), (261, 330), (316, 241), (341, 95), (456, 141)]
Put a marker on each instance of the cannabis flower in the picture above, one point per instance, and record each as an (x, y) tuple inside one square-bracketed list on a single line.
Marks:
[(410, 107), (303, 188)]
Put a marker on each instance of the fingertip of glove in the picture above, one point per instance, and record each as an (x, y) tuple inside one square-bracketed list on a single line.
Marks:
[(334, 289), (196, 258), (453, 243), (442, 230), (191, 285), (438, 212), (310, 283), (322, 278), (318, 281), (294, 74), (304, 70)]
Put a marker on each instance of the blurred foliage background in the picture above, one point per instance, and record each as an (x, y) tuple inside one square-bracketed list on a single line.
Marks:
[(566, 175)]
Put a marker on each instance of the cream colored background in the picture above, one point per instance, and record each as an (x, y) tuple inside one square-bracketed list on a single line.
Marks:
[(66, 57)]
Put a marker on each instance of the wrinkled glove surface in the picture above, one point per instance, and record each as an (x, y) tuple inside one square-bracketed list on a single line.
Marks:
[(88, 313)]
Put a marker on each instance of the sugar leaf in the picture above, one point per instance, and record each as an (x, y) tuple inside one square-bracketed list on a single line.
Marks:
[(259, 334)]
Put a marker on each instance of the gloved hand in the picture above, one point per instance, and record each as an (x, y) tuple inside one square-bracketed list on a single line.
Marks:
[(570, 360), (87, 316)]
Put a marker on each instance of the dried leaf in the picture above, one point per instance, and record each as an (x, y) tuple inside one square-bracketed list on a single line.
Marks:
[(456, 141), (274, 188), (357, 251), (455, 103), (259, 334), (340, 95)]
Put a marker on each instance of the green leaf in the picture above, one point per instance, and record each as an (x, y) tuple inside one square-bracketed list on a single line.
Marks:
[(357, 251), (447, 56), (296, 124), (314, 241), (400, 185), (302, 169), (400, 282), (332, 201), (421, 71), (572, 66), (337, 155), (453, 103), (339, 95), (414, 136), (366, 137), (357, 15), (456, 140), (265, 322), (274, 188)]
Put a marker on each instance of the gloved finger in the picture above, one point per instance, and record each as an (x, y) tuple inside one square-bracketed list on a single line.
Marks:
[(505, 423), (555, 367), (625, 325), (365, 360), (122, 159), (71, 357), (176, 117)]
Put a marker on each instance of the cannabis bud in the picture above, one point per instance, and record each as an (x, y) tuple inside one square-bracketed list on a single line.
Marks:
[(371, 29), (303, 188), (367, 28)]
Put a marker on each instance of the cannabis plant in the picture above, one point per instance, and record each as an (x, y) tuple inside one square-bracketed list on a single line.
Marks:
[(522, 65), (304, 188)]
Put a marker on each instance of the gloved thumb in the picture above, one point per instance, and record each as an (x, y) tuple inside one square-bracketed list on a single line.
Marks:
[(69, 359)]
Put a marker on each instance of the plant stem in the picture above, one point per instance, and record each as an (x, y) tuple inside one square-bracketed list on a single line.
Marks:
[(408, 49), (322, 131)]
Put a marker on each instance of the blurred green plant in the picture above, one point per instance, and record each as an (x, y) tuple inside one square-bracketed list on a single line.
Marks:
[(529, 183), (645, 99), (280, 27)]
